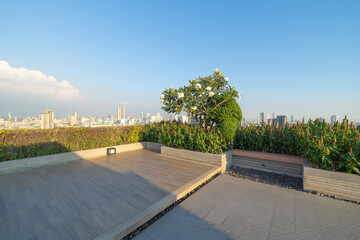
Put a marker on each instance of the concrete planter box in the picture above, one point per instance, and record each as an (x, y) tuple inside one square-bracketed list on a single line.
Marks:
[(151, 146), (339, 184), (224, 160), (60, 158), (270, 162)]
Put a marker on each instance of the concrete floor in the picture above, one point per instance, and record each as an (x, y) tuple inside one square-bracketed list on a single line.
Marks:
[(233, 208), (83, 199)]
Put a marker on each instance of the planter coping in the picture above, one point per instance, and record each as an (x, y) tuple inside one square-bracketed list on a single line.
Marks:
[(269, 156), (61, 158), (334, 175)]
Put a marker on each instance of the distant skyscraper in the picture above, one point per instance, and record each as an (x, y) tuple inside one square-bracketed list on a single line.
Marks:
[(334, 119), (273, 116), (47, 119), (9, 116), (303, 119), (281, 120), (75, 117), (262, 117), (118, 115), (122, 112), (292, 118)]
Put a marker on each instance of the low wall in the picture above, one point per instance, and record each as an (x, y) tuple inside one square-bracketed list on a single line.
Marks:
[(151, 146), (271, 162), (224, 160), (339, 184), (60, 158)]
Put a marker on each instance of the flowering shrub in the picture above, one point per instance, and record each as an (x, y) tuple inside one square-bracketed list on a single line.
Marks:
[(25, 143), (201, 98), (188, 137), (328, 147)]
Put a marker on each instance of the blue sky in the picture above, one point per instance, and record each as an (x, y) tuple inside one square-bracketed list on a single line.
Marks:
[(298, 58)]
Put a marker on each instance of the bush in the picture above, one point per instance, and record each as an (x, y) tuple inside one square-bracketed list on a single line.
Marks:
[(328, 147), (227, 117), (188, 137), (228, 128), (25, 143)]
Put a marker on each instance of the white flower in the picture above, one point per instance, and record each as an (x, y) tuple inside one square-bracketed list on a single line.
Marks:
[(162, 96), (161, 100), (226, 79), (198, 86), (216, 70), (239, 96), (211, 94), (194, 108), (208, 88), (180, 95)]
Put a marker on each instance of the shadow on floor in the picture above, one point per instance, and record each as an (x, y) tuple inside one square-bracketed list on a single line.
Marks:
[(84, 199)]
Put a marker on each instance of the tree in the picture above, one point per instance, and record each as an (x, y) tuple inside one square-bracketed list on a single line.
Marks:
[(201, 98)]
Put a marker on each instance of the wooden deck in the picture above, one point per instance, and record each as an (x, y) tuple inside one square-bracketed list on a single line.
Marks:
[(84, 199)]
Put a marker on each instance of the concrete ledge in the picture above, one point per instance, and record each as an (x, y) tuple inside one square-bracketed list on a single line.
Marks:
[(290, 169), (36, 162), (268, 156), (151, 146), (123, 229), (224, 159), (339, 184)]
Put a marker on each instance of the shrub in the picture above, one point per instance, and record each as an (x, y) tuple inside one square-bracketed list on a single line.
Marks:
[(227, 117), (328, 147), (25, 143), (188, 137)]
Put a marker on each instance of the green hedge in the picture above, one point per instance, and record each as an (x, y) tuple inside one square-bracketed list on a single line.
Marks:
[(16, 144), (188, 137), (328, 147)]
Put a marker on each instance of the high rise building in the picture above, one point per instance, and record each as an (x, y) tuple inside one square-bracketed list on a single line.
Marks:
[(47, 119), (9, 116), (122, 112), (118, 116), (262, 117), (75, 117), (292, 118), (334, 119), (273, 115), (281, 120)]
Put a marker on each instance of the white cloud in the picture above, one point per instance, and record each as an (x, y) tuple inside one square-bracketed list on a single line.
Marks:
[(34, 82)]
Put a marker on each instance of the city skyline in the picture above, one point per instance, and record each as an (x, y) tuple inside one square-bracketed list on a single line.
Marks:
[(97, 59), (48, 120)]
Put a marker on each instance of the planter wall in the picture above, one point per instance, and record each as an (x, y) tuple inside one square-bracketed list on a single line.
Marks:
[(339, 184), (151, 146), (224, 160), (271, 162), (35, 162)]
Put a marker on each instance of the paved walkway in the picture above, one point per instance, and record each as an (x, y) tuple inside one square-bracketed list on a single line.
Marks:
[(233, 208), (83, 199)]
